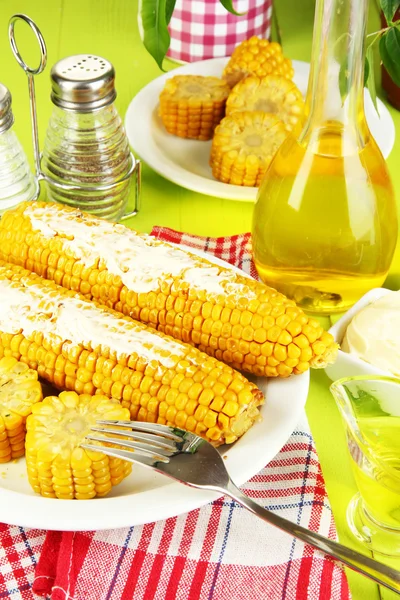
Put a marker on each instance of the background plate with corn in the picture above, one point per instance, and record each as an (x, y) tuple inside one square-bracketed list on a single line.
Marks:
[(186, 162)]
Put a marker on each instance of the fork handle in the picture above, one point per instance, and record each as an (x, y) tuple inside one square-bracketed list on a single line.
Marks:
[(382, 574)]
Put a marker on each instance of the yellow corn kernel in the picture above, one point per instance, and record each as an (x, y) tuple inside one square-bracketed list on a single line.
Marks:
[(57, 465), (191, 105)]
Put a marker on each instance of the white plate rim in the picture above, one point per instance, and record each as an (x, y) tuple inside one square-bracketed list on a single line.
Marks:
[(139, 131), (156, 504)]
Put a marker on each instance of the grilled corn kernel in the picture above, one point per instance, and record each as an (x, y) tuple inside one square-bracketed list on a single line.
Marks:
[(271, 94), (257, 57), (250, 316), (244, 145), (19, 391), (191, 106), (57, 465)]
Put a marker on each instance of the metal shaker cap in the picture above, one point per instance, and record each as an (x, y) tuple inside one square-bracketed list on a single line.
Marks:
[(82, 83), (6, 115)]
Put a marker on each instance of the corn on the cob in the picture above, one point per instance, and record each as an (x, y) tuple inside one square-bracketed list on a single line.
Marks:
[(57, 465), (77, 345), (19, 391), (257, 57), (271, 94), (191, 106), (236, 319), (244, 145)]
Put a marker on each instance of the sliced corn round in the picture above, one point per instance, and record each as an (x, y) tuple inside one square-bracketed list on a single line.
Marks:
[(19, 391), (257, 57), (191, 106), (57, 465), (271, 94), (243, 146)]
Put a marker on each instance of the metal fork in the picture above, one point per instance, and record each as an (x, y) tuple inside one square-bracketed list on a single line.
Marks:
[(193, 461)]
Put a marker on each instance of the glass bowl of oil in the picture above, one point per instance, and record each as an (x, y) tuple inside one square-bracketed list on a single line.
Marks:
[(370, 408)]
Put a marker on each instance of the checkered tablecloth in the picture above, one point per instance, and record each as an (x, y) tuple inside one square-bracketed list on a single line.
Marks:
[(217, 552), (202, 29)]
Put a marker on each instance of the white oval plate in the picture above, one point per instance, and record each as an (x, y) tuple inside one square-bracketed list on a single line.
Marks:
[(185, 162), (145, 496)]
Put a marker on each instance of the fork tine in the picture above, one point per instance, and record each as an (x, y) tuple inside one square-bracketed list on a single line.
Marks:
[(160, 430), (123, 454), (157, 454), (161, 442)]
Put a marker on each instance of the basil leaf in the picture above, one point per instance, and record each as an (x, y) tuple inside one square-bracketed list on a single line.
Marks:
[(169, 9), (344, 80), (389, 48), (389, 8), (229, 7), (153, 20), (371, 79)]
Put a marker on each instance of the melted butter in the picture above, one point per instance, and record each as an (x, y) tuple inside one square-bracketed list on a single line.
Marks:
[(141, 261), (29, 309)]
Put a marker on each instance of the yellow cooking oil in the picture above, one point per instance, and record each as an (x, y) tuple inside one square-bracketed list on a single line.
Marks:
[(325, 223), (377, 473)]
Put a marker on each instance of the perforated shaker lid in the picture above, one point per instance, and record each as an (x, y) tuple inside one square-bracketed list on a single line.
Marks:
[(82, 83), (6, 115)]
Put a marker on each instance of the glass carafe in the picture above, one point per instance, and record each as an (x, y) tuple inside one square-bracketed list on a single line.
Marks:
[(370, 407), (325, 221)]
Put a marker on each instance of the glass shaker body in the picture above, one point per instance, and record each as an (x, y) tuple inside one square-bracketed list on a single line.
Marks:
[(17, 182), (87, 150)]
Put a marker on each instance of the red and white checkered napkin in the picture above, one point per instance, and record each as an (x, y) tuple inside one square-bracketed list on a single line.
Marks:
[(202, 29), (218, 552)]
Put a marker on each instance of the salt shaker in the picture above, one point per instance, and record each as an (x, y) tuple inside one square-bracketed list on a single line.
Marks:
[(86, 160), (17, 182)]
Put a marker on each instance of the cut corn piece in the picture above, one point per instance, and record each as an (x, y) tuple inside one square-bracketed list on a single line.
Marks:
[(257, 57), (78, 345), (191, 106), (57, 465), (229, 316), (244, 145), (271, 94), (19, 391)]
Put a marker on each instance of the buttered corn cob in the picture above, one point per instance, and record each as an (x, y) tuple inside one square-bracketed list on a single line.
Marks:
[(244, 145), (257, 57), (271, 94), (19, 391), (233, 318), (57, 465), (191, 106), (77, 345)]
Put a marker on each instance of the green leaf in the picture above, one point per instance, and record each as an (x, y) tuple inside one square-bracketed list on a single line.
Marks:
[(366, 71), (344, 80), (389, 8), (229, 7), (389, 48), (371, 79), (169, 9), (153, 21)]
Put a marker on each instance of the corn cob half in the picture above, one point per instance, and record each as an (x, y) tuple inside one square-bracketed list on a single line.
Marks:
[(57, 465), (271, 94), (191, 106), (19, 391), (257, 57), (244, 145), (77, 345), (235, 319)]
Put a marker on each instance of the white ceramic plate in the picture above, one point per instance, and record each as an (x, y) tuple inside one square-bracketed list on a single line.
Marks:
[(185, 162), (145, 496), (347, 365)]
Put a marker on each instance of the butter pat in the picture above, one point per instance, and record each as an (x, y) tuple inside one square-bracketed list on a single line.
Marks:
[(374, 334)]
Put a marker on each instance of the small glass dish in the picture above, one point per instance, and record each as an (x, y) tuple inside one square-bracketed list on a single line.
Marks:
[(370, 408)]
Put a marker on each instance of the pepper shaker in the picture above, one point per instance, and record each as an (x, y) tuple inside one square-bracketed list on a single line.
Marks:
[(17, 182)]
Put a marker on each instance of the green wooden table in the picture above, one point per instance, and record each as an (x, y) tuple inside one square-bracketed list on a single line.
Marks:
[(109, 28)]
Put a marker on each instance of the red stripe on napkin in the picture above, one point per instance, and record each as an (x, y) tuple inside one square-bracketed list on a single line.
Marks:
[(217, 552)]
